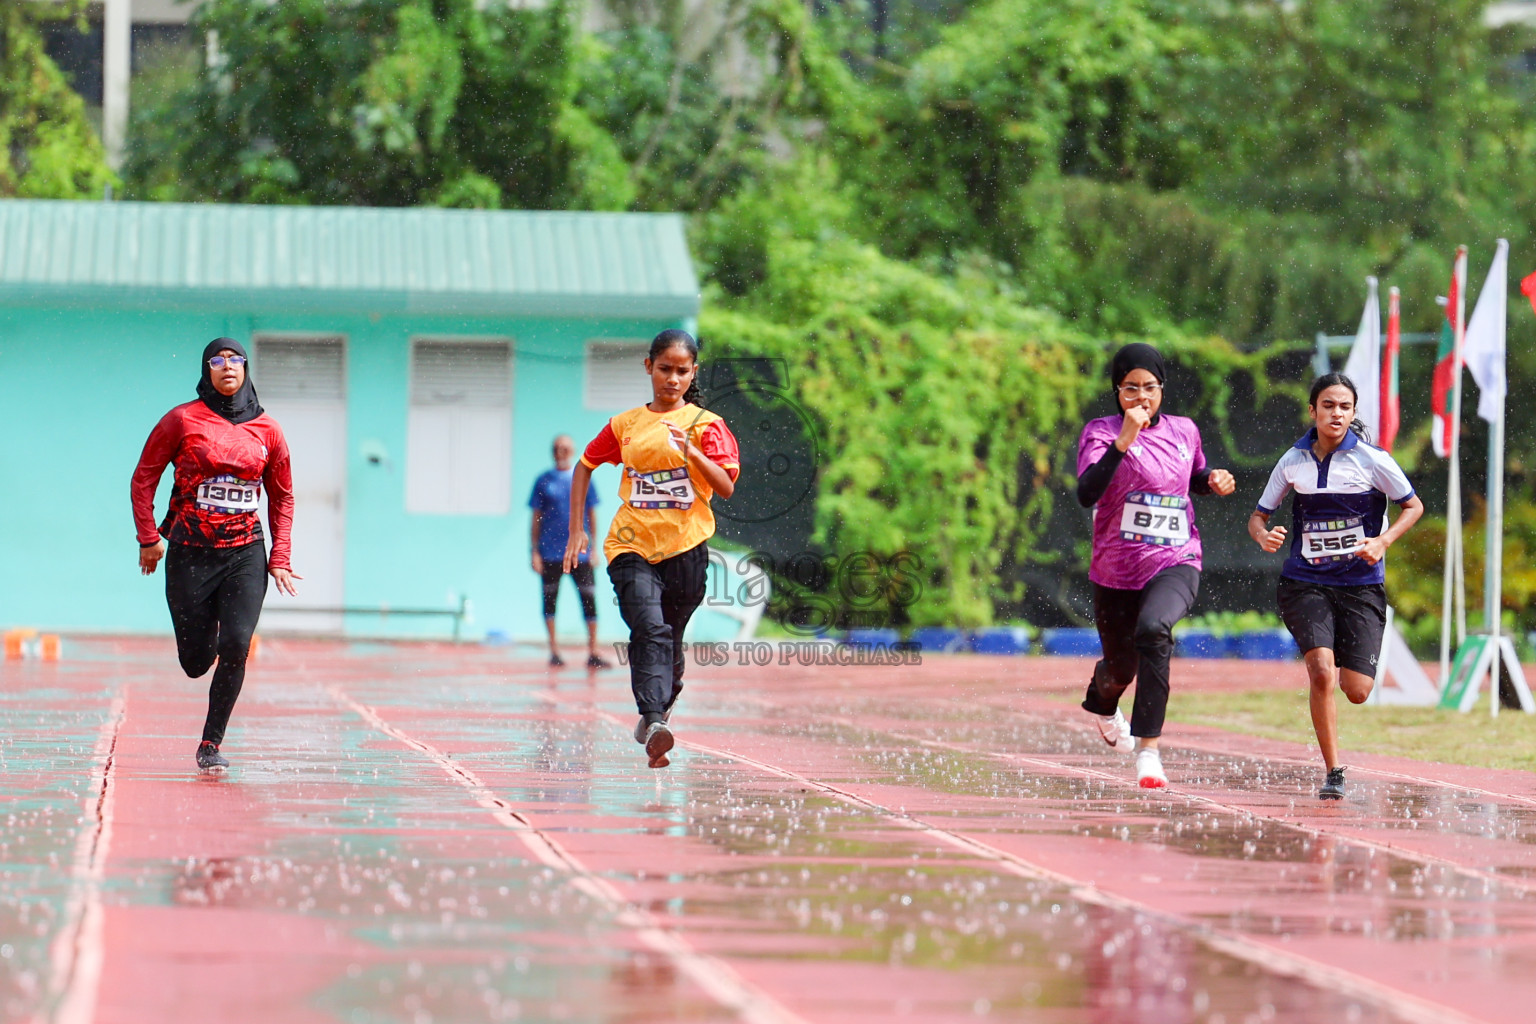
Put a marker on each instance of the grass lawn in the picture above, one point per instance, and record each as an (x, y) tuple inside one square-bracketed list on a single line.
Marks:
[(1426, 734)]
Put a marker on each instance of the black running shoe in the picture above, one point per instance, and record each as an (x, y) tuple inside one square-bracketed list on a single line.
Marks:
[(1333, 789), (658, 741), (555, 661), (208, 756), (594, 662)]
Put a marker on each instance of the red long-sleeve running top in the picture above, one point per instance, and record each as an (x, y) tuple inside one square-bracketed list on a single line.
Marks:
[(220, 470)]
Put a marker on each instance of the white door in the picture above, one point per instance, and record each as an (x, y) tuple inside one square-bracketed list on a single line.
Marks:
[(301, 382)]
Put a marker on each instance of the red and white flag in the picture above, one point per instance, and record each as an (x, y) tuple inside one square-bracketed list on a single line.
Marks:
[(1391, 405), (1448, 359)]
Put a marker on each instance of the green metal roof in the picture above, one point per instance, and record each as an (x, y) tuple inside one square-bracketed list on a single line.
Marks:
[(339, 258)]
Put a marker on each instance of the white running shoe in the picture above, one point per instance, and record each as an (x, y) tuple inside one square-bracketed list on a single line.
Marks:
[(1116, 731), (1149, 769)]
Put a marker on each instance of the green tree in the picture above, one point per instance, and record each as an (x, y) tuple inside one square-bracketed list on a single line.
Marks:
[(382, 103), (48, 149)]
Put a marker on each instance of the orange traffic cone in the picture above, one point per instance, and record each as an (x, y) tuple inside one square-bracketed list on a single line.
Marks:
[(49, 646), (255, 646), (13, 641)]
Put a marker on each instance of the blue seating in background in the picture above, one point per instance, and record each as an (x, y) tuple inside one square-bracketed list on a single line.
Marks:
[(1265, 645), (1201, 643), (873, 636), (1071, 642), (1000, 640), (938, 640)]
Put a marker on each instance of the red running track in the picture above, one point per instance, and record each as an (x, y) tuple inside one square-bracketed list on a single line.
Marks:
[(437, 833)]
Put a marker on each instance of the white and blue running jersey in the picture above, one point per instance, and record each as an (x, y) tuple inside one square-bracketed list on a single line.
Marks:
[(1340, 501)]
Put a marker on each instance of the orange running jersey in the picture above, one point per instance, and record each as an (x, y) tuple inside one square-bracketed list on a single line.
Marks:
[(665, 510)]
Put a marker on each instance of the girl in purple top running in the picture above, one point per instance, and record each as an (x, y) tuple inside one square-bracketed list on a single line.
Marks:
[(1137, 471)]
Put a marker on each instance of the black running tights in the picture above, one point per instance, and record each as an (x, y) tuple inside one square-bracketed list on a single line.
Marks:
[(657, 600), (215, 596), (1136, 634)]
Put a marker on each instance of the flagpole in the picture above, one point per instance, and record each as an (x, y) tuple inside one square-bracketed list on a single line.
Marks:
[(1493, 561), (1453, 597)]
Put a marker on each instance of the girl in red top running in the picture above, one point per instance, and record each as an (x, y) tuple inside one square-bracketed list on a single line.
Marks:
[(225, 449), (676, 456)]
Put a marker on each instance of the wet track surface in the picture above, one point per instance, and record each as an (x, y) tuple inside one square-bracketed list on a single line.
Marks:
[(428, 833)]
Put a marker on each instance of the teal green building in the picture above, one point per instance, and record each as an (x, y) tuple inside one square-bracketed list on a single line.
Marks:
[(420, 362)]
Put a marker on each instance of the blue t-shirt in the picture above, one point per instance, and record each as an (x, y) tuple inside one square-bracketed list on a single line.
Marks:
[(1340, 501), (551, 499)]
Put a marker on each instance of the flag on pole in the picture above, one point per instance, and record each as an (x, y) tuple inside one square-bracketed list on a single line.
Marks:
[(1447, 371), (1483, 346), (1364, 363), (1528, 288), (1391, 406)]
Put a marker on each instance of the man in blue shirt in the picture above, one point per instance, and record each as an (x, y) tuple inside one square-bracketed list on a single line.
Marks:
[(551, 504)]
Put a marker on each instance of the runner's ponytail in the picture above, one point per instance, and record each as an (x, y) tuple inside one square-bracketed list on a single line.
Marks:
[(671, 338)]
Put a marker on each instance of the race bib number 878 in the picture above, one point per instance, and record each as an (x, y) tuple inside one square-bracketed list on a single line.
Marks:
[(1161, 519)]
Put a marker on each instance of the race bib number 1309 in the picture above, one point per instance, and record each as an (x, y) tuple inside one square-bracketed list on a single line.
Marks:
[(228, 494), (1161, 519)]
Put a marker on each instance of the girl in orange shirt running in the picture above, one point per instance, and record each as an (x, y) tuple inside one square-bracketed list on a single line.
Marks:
[(676, 456)]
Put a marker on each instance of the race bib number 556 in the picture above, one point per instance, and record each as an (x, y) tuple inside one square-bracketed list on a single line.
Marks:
[(1331, 540), (228, 494), (1161, 519)]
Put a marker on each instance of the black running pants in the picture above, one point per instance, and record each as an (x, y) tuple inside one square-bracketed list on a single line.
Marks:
[(1136, 635), (657, 600), (215, 596)]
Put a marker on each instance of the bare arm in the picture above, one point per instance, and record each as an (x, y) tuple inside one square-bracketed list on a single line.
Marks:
[(533, 541), (578, 541), (592, 531), (1258, 529), (1375, 548)]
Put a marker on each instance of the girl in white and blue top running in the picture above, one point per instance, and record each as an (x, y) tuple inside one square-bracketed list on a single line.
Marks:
[(1332, 591)]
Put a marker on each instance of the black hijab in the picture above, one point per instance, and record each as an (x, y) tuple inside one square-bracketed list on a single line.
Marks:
[(240, 407), (1138, 356)]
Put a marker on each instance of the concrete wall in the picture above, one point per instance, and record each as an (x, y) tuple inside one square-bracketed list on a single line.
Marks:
[(80, 391)]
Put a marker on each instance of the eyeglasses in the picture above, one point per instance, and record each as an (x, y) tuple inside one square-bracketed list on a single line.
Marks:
[(217, 362), (1137, 390)]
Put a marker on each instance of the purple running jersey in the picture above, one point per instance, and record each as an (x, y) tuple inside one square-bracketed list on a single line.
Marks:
[(1144, 522)]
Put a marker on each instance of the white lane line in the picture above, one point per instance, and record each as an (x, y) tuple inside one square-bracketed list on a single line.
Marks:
[(77, 953), (713, 976), (1492, 878), (1218, 749), (1269, 958)]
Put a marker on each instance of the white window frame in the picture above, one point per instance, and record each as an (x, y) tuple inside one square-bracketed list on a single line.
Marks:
[(595, 403), (458, 459), (260, 337)]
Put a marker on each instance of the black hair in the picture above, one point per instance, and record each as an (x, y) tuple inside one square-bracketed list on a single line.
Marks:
[(671, 338), (1336, 380)]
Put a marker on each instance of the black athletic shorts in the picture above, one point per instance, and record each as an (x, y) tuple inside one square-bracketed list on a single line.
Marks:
[(554, 571), (1349, 621)]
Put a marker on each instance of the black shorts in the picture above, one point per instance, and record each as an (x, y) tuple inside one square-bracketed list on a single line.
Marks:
[(554, 571), (1349, 621)]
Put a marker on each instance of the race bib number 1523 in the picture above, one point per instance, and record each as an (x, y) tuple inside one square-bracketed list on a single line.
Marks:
[(665, 488)]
